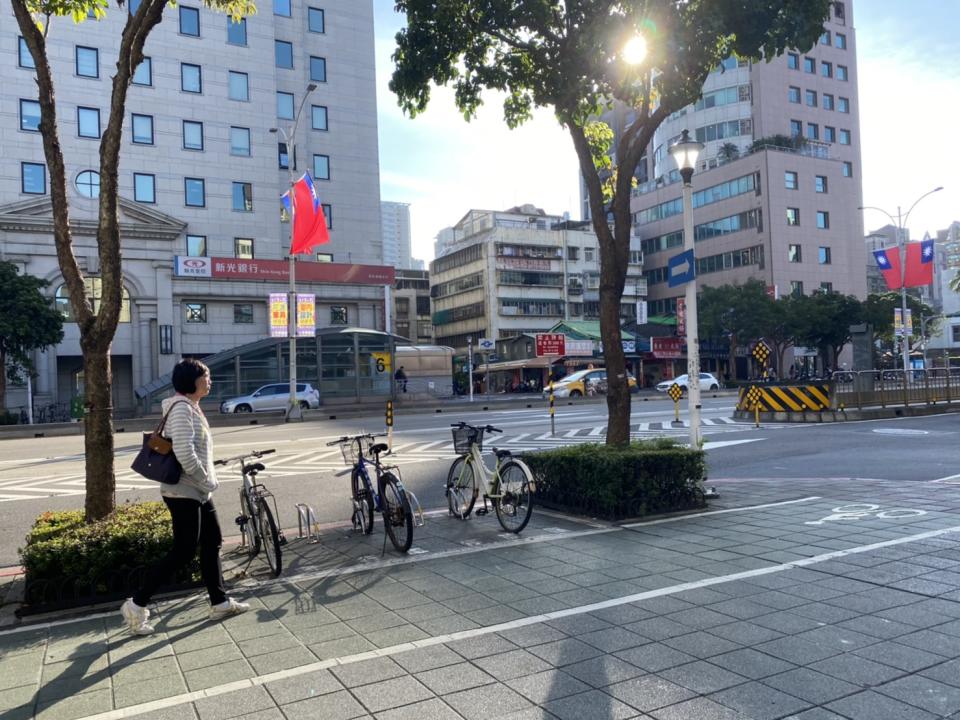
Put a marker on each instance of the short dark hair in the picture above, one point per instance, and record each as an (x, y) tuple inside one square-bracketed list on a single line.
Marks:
[(186, 373)]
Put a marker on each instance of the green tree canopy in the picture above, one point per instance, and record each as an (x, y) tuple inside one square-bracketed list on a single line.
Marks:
[(572, 57), (28, 321)]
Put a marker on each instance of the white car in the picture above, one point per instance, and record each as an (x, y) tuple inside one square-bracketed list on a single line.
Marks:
[(707, 382), (275, 396)]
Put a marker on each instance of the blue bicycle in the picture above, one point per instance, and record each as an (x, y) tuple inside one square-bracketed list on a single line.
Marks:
[(400, 508)]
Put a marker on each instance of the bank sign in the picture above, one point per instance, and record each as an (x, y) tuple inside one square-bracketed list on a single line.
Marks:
[(216, 268)]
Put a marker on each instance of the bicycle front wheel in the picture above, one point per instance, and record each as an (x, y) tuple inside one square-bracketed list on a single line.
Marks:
[(461, 488), (250, 534), (362, 503), (514, 500), (397, 513), (270, 536)]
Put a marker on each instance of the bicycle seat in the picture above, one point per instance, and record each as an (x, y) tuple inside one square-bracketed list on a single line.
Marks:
[(255, 468), (379, 448), (502, 453)]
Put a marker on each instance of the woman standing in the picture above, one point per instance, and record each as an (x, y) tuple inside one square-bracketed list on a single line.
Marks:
[(189, 501)]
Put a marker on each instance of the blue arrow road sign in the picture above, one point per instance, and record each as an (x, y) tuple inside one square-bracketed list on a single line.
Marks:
[(681, 269)]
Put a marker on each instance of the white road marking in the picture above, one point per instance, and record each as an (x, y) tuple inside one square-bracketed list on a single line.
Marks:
[(716, 445)]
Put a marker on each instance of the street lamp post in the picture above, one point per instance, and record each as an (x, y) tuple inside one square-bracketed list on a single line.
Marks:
[(900, 221), (290, 139), (684, 153), (470, 364)]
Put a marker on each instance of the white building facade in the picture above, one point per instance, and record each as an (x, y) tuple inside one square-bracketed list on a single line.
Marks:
[(395, 226), (201, 175)]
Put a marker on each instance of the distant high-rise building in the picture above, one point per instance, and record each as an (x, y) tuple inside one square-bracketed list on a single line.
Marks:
[(947, 301), (395, 227)]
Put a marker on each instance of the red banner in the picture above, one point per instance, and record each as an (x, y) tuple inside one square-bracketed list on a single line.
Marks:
[(551, 344), (279, 270), (666, 347)]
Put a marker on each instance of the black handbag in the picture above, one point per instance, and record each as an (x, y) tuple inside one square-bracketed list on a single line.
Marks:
[(156, 460)]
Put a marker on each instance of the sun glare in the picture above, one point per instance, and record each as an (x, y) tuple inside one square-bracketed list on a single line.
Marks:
[(635, 51)]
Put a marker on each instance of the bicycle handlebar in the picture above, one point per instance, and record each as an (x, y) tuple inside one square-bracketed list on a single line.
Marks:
[(351, 438), (241, 458), (485, 428)]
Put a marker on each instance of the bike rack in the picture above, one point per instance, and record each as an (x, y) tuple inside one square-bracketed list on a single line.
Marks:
[(307, 518), (417, 510)]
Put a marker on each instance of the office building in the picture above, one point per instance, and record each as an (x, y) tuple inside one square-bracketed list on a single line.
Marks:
[(395, 226)]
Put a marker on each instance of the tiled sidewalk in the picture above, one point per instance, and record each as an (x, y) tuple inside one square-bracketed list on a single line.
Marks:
[(753, 613)]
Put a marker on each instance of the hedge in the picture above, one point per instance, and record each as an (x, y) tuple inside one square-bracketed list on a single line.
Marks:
[(614, 483), (67, 561)]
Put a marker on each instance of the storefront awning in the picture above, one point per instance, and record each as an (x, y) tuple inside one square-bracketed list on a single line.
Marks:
[(538, 362)]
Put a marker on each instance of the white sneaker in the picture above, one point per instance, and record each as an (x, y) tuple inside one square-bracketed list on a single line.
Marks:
[(136, 618), (227, 608)]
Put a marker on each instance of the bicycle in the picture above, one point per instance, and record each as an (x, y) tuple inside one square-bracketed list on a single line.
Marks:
[(509, 485), (400, 508), (256, 519)]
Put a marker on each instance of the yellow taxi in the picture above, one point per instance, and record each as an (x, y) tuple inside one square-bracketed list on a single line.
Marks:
[(584, 383)]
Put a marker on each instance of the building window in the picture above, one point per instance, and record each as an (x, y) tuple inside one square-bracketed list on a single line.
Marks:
[(194, 192), (87, 62), (847, 169), (189, 21), (793, 94), (826, 69), (842, 73), (840, 41), (588, 254), (283, 54), (94, 292), (826, 287), (237, 31), (281, 7), (243, 248), (321, 167), (238, 86), (243, 314), (823, 255), (794, 254), (793, 61), (88, 183), (338, 315), (283, 159), (820, 183), (196, 245), (829, 134), (144, 188), (793, 216), (843, 105), (315, 20), (195, 312), (813, 131), (285, 105), (24, 58), (796, 128), (243, 197), (33, 178), (30, 115), (790, 180), (823, 220), (955, 333), (810, 65), (327, 214), (88, 122), (325, 257), (318, 117), (240, 141), (825, 38), (192, 135), (143, 75), (318, 69), (796, 288), (844, 137), (190, 78), (827, 101), (811, 96), (142, 126)]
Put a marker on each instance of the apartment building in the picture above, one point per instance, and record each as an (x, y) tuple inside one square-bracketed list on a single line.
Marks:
[(395, 226), (519, 271), (946, 302), (411, 302), (201, 175), (778, 182)]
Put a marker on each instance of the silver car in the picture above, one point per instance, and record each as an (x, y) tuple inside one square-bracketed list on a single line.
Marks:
[(275, 396)]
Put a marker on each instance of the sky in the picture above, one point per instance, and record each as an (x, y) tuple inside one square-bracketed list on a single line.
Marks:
[(909, 90)]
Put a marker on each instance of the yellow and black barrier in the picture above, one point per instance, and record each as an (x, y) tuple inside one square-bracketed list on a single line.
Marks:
[(784, 398)]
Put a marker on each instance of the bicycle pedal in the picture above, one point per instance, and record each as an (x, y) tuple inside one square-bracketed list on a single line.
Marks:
[(481, 511), (282, 538), (240, 520)]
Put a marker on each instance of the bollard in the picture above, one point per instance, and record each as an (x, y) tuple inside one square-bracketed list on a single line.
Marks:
[(756, 413), (389, 421), (553, 429)]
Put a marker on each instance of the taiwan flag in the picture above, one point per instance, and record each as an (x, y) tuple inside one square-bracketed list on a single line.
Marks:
[(919, 264), (889, 263), (309, 222)]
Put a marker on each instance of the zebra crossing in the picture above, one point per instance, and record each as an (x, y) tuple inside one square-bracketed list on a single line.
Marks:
[(307, 462)]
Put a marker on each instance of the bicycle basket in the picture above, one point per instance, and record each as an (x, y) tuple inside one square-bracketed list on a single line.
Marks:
[(465, 437), (349, 449)]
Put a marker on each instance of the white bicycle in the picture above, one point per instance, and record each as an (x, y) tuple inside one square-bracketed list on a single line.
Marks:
[(508, 485)]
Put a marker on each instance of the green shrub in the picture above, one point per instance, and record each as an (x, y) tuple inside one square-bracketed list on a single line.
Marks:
[(8, 418), (655, 476), (65, 558)]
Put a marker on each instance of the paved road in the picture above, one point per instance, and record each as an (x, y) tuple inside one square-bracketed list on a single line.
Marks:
[(47, 473)]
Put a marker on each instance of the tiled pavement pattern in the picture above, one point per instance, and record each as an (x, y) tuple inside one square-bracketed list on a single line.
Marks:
[(872, 635)]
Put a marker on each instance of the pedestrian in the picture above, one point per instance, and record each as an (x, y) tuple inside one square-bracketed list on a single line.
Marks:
[(190, 502), (401, 377)]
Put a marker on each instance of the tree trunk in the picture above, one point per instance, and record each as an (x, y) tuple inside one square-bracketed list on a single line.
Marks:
[(732, 359), (98, 432)]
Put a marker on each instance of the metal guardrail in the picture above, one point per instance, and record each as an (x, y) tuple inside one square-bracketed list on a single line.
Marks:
[(895, 388)]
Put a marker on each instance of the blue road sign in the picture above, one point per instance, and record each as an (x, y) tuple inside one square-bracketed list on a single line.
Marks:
[(681, 269)]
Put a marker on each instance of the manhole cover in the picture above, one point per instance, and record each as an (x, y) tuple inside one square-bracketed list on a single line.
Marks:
[(900, 431)]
